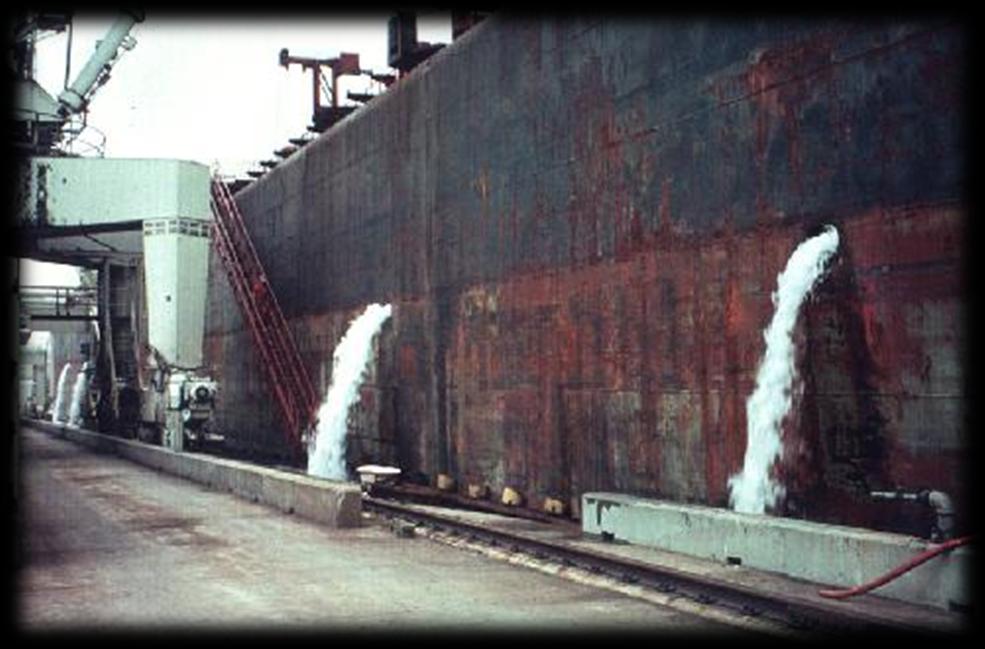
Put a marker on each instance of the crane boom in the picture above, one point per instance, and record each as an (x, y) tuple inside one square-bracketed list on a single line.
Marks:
[(75, 97)]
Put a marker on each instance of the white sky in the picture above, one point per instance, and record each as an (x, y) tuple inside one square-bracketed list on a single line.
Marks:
[(210, 89)]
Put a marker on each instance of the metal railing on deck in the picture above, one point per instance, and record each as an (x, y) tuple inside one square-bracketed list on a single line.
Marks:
[(58, 302), (293, 391)]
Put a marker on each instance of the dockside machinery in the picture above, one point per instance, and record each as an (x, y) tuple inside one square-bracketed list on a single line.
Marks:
[(143, 224)]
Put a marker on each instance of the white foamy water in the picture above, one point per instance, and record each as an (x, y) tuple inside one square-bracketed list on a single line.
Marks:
[(326, 455), (78, 397), (753, 490), (57, 414)]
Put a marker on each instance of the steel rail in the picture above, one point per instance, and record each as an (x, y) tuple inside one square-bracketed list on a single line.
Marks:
[(788, 610)]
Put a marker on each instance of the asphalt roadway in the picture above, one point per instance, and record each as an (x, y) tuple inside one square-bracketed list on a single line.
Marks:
[(108, 545)]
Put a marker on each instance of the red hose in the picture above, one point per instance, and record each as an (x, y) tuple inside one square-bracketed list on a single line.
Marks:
[(896, 572)]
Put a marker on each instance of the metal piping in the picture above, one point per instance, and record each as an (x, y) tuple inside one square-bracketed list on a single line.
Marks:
[(939, 501)]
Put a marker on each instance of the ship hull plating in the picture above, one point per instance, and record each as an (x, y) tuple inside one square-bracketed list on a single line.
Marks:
[(580, 223)]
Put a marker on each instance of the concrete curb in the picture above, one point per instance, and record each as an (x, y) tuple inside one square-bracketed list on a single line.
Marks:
[(825, 554), (331, 503)]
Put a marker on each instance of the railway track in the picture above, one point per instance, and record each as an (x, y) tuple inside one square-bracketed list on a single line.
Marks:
[(732, 603)]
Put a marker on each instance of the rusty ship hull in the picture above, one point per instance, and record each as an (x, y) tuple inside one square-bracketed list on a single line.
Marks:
[(580, 224)]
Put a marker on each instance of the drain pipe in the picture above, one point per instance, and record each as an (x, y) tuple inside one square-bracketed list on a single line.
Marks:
[(896, 572), (939, 501)]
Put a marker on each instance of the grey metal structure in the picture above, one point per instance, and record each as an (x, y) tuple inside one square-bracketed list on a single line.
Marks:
[(143, 223), (34, 367)]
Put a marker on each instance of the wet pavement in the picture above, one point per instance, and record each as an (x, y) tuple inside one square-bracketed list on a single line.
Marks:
[(106, 544)]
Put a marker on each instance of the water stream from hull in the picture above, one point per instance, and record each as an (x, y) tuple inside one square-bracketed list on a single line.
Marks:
[(753, 490), (56, 410), (326, 454), (79, 391)]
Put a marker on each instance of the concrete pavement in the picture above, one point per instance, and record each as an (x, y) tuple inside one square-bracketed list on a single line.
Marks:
[(107, 544)]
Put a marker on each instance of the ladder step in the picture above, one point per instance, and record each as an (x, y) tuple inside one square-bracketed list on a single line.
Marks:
[(293, 391)]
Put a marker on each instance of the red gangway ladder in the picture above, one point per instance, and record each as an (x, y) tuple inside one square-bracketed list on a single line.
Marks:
[(293, 391)]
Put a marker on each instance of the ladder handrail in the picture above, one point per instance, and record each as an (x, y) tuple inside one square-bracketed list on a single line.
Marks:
[(293, 391), (254, 324), (260, 329), (281, 330)]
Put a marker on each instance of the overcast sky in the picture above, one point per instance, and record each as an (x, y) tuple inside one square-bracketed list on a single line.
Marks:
[(210, 89)]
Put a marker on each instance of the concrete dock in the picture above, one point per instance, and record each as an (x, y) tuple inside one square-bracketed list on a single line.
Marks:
[(107, 544), (824, 554)]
